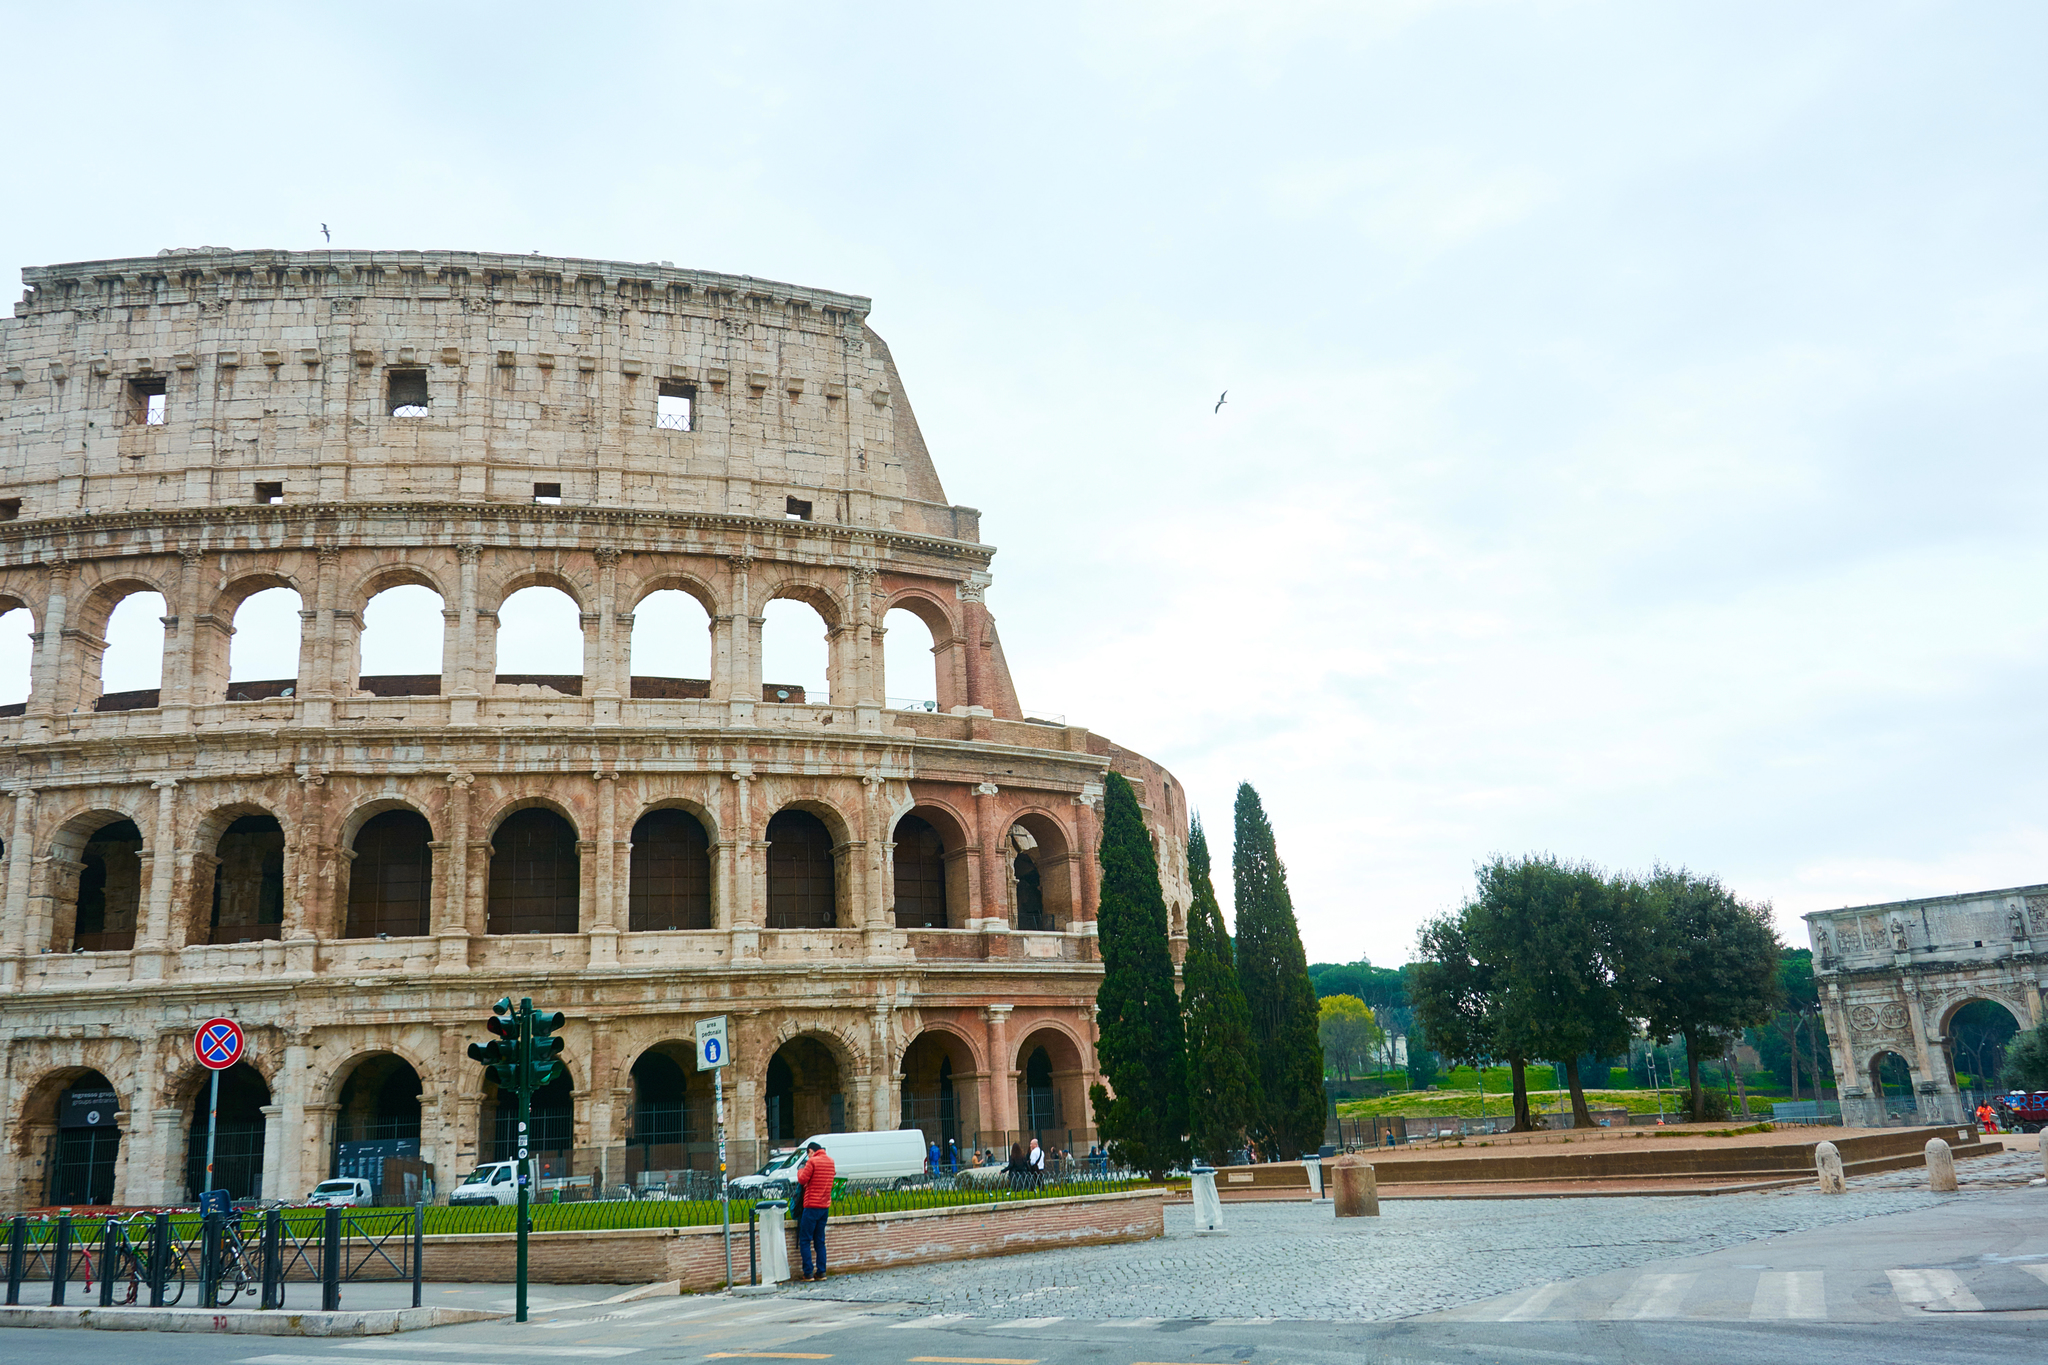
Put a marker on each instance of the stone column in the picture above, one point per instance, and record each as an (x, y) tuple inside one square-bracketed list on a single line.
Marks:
[(48, 680), (14, 942), (1936, 1096), (608, 665), (993, 830), (1002, 1070), (739, 686), (1088, 838), (273, 1154), (156, 937), (181, 670), (166, 1157), (452, 926), (605, 917), (870, 678), (315, 1147), (887, 1082), (740, 911), (464, 670)]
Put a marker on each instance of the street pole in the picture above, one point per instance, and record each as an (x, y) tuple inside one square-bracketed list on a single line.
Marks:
[(212, 1117), (724, 1186), (525, 1161)]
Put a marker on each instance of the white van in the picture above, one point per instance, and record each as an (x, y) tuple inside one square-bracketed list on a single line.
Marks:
[(344, 1193), (897, 1157), (497, 1183)]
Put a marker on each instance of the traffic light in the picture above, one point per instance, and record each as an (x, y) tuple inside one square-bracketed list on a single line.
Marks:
[(501, 1055), (547, 1049)]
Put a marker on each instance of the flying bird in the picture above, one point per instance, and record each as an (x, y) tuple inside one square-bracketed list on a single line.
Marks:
[(1220, 401), (325, 233)]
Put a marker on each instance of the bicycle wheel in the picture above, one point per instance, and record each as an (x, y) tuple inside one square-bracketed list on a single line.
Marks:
[(174, 1279)]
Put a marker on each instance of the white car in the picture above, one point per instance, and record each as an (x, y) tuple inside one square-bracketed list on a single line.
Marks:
[(344, 1193), (496, 1183), (897, 1157)]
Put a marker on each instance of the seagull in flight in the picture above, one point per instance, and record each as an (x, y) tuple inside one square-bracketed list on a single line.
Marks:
[(1221, 399)]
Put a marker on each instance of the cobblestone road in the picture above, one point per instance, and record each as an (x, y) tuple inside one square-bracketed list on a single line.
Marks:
[(1296, 1261)]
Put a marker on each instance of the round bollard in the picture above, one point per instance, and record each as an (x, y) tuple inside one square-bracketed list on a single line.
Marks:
[(1941, 1166), (1828, 1161), (1354, 1186)]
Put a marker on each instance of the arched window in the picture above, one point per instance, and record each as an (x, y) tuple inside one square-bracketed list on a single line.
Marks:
[(109, 889), (248, 882), (17, 659), (132, 668), (401, 647), (796, 660), (671, 873), (535, 874), (237, 1135), (263, 654), (801, 888), (1030, 894), (391, 879), (88, 1142), (910, 668), (920, 875), (540, 640), (671, 646)]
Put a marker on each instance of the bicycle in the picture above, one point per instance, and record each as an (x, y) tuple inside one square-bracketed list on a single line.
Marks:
[(136, 1235), (234, 1267)]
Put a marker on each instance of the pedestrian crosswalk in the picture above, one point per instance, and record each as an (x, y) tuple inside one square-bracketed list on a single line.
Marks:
[(1772, 1295)]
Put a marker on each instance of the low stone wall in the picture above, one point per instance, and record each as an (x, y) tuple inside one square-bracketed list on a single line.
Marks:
[(870, 1241)]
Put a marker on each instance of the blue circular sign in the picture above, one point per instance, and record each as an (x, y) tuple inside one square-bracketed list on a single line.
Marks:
[(713, 1049)]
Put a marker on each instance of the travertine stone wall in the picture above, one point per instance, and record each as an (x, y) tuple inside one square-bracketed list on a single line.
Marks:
[(1893, 976), (275, 369)]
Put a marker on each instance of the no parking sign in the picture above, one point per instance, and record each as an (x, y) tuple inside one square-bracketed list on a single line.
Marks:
[(218, 1044)]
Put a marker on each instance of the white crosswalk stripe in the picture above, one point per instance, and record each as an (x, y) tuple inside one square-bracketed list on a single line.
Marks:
[(1788, 1294), (1916, 1288), (936, 1320), (1532, 1307), (1653, 1296), (2039, 1272), (470, 1348), (1027, 1324)]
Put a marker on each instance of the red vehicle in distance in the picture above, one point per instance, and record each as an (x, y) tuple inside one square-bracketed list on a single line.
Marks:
[(2022, 1111)]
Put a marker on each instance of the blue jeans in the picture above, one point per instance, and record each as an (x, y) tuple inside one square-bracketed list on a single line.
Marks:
[(810, 1231)]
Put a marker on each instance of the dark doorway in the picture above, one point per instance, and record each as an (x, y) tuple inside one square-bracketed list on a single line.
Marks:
[(552, 1126), (534, 875), (390, 881), (379, 1122), (109, 889), (1030, 896), (238, 1135), (1041, 1110), (661, 1115), (248, 882), (671, 873), (804, 1095), (920, 875), (800, 880), (88, 1143)]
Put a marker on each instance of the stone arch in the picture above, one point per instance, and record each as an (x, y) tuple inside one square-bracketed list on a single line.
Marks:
[(672, 580), (535, 879), (240, 857), (948, 648), (659, 664), (96, 866), (672, 867), (556, 646), (534, 576), (387, 871), (240, 1133), (553, 1123), (1052, 1101), (808, 1084), (19, 646), (929, 872), (380, 1101), (670, 1119), (940, 1073), (798, 587), (214, 631), (808, 868), (353, 624), (86, 642), (65, 1158), (1975, 1030), (1891, 1076), (1042, 871)]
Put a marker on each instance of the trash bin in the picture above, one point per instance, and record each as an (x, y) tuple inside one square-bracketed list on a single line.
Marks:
[(1208, 1208), (774, 1247)]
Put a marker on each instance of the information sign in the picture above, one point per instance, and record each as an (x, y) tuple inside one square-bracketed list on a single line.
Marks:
[(712, 1052)]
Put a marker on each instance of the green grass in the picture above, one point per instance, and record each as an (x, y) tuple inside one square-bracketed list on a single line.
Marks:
[(1464, 1103)]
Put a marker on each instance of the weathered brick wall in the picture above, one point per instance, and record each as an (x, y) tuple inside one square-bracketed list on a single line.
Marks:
[(696, 1256)]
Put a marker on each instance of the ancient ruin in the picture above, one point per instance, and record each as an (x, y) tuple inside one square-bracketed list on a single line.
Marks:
[(1893, 977), (893, 900)]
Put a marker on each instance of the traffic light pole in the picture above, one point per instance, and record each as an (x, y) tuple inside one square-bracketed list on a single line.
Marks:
[(525, 1159)]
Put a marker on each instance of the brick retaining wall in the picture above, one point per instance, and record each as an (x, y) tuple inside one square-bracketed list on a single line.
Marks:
[(870, 1241)]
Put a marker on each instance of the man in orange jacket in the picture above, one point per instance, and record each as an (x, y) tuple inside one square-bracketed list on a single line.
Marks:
[(814, 1193)]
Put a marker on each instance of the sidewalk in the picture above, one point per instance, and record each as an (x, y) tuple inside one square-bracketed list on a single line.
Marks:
[(368, 1309)]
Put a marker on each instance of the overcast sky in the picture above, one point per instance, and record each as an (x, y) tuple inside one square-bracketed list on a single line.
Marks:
[(1634, 444)]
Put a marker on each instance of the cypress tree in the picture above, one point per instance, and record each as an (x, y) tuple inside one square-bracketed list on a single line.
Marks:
[(1142, 1052), (1222, 1081), (1273, 970)]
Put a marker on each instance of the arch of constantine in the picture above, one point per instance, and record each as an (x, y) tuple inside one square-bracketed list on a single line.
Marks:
[(1893, 977), (892, 898)]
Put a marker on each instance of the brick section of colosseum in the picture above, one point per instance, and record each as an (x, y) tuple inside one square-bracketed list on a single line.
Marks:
[(894, 902)]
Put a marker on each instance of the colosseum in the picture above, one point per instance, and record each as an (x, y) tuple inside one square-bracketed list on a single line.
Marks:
[(893, 899)]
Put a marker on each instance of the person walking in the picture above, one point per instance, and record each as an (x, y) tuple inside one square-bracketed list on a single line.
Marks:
[(1037, 1162), (814, 1188)]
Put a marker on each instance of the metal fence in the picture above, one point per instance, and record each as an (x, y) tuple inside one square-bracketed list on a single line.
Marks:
[(210, 1260)]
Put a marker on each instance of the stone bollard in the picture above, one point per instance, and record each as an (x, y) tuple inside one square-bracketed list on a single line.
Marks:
[(1941, 1167), (1355, 1187), (1208, 1208), (1827, 1159)]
